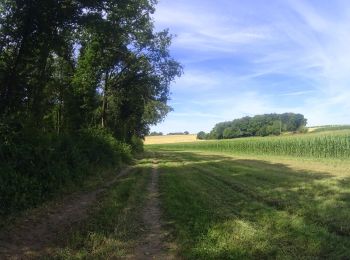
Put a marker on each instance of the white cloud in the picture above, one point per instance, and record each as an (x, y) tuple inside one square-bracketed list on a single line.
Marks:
[(204, 30), (294, 39)]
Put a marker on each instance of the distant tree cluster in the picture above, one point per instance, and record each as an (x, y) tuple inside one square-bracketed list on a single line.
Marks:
[(202, 135), (179, 133), (259, 125), (155, 134)]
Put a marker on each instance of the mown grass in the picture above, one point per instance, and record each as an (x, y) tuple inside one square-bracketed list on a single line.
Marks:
[(223, 208), (114, 225)]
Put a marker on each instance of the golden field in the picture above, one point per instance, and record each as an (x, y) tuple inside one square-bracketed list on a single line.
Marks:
[(168, 139)]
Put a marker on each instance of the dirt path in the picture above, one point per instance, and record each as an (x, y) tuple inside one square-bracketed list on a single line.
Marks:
[(34, 234), (153, 243)]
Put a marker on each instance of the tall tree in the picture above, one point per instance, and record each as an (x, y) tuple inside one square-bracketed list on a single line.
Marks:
[(67, 65)]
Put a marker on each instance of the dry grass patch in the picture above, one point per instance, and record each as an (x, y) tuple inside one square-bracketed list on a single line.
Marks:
[(168, 139)]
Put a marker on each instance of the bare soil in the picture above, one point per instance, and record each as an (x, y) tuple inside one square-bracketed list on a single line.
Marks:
[(153, 244), (33, 235)]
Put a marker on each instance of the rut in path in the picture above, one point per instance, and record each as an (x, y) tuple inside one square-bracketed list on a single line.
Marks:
[(153, 243), (35, 234)]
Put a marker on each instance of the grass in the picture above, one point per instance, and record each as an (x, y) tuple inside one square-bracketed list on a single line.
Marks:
[(165, 139), (113, 226), (220, 207), (318, 129), (90, 183)]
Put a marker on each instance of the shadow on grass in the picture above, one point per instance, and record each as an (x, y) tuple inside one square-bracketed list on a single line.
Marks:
[(110, 228), (220, 207)]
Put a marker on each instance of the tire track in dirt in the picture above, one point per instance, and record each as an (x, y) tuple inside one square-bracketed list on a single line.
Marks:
[(33, 235), (152, 244)]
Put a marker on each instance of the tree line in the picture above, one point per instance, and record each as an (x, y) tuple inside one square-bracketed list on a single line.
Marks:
[(77, 78), (173, 133), (68, 65), (259, 125)]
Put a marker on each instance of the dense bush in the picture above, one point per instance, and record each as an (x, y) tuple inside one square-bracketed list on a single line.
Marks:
[(136, 144), (35, 166), (201, 135)]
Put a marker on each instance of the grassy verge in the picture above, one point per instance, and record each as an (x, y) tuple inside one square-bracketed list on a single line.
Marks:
[(113, 226), (37, 167), (224, 208), (89, 184)]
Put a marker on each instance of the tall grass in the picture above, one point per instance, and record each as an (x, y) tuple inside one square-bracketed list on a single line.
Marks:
[(322, 145)]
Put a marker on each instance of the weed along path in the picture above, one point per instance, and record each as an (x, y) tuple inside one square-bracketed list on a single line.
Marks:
[(152, 244), (33, 235)]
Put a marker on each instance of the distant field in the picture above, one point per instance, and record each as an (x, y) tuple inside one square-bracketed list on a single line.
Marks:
[(168, 139), (326, 128)]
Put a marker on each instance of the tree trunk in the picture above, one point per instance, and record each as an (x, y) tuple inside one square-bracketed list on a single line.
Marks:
[(104, 102)]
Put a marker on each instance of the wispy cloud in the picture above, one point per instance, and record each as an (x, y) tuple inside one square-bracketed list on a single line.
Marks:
[(298, 93), (248, 58)]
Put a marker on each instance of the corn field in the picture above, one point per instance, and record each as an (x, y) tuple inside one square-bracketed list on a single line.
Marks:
[(322, 145)]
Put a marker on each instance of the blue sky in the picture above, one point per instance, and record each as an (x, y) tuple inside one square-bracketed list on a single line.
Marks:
[(253, 57)]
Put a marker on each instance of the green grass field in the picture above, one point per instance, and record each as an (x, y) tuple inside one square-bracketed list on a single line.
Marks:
[(222, 207)]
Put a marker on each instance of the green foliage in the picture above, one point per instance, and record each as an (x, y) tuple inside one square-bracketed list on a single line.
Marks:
[(260, 125), (201, 135), (156, 134), (68, 68), (136, 144), (35, 166), (323, 145), (179, 133), (302, 130), (231, 132)]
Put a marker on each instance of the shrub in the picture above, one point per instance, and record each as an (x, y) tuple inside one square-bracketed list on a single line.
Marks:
[(35, 166), (201, 135), (136, 144)]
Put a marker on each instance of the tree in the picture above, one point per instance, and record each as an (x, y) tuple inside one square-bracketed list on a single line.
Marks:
[(201, 135), (70, 65), (259, 125), (274, 128), (156, 134)]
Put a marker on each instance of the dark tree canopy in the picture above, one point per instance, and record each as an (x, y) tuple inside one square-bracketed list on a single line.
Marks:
[(201, 135), (69, 65)]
